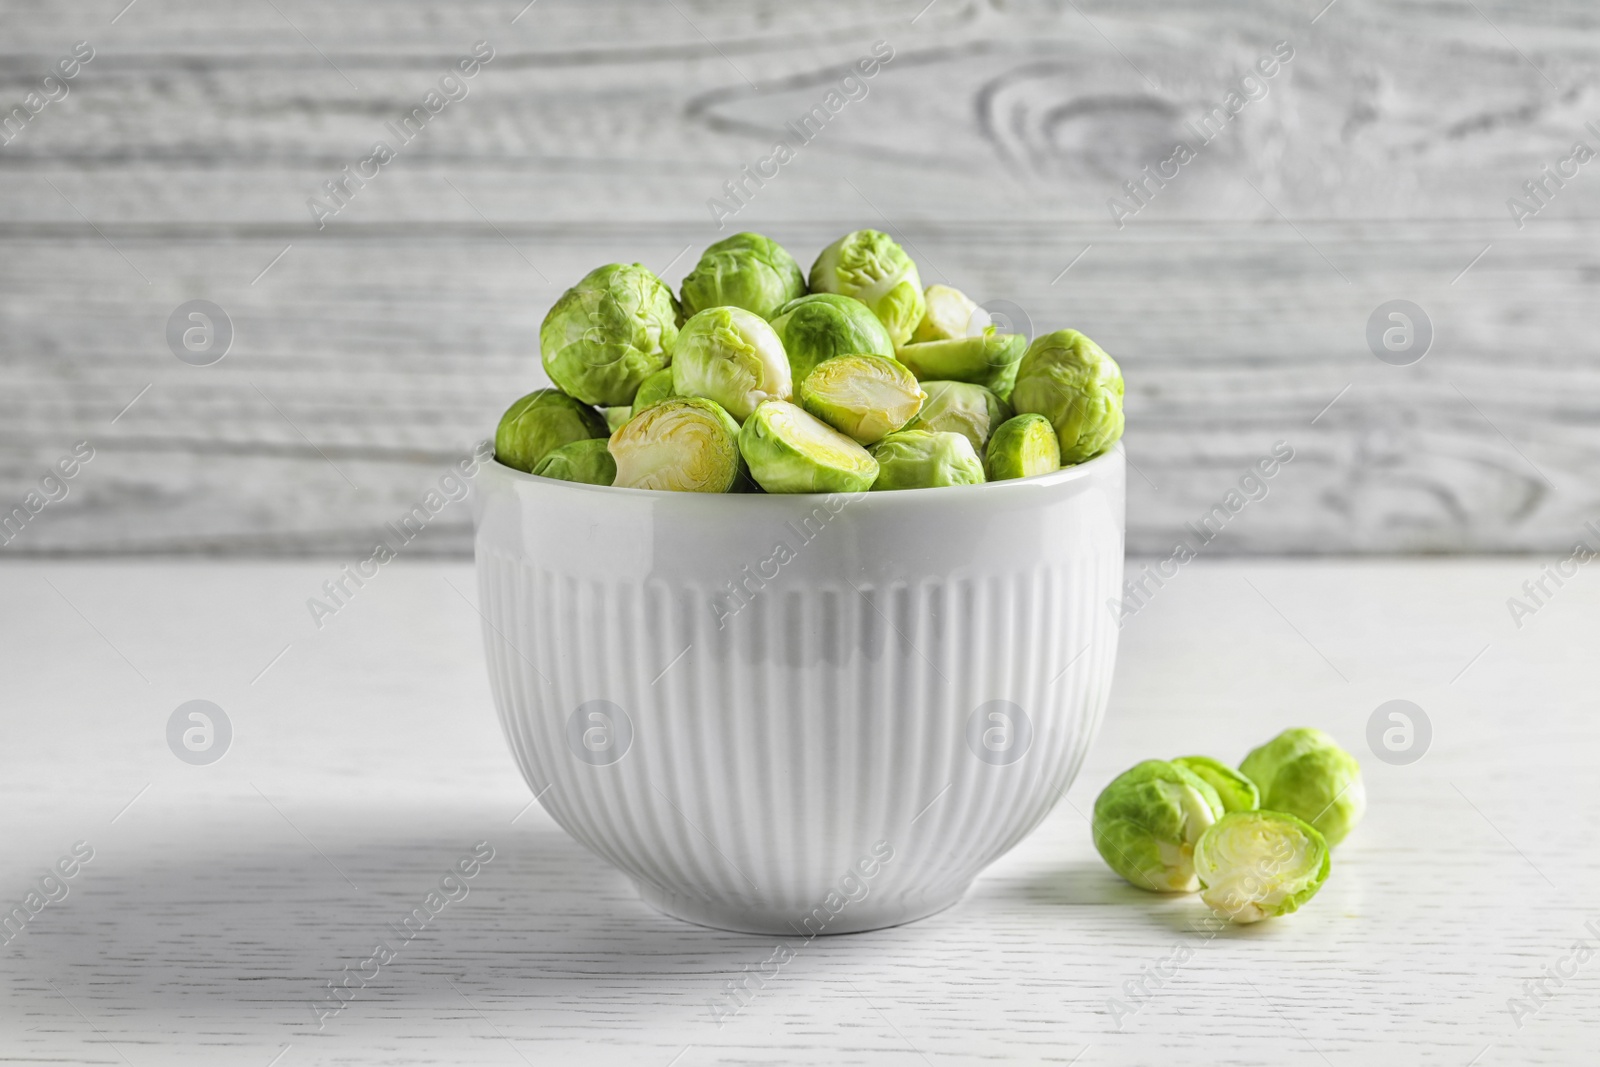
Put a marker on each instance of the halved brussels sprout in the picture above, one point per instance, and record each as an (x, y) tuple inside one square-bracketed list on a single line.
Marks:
[(963, 408), (653, 390), (1022, 446), (581, 461), (790, 451), (732, 356), (543, 420), (1237, 792), (1304, 772), (924, 459), (989, 359), (1255, 865), (863, 397), (746, 271), (616, 416), (1070, 380), (951, 313), (608, 333), (823, 325), (686, 443), (1146, 823), (869, 266)]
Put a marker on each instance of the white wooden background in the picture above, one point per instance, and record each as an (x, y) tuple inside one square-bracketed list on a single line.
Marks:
[(1377, 167)]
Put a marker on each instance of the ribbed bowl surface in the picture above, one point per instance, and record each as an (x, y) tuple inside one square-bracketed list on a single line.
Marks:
[(801, 714)]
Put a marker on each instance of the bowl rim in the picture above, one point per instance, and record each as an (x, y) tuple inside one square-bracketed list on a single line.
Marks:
[(1089, 468)]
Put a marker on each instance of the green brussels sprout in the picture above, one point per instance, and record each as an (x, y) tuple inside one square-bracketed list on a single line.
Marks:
[(863, 397), (1304, 772), (746, 271), (732, 356), (616, 416), (608, 333), (686, 443), (790, 451), (1070, 380), (543, 420), (1238, 793), (1022, 446), (924, 459), (1146, 823), (963, 408), (1255, 865), (989, 359), (950, 314), (581, 461), (823, 325), (652, 390), (869, 266)]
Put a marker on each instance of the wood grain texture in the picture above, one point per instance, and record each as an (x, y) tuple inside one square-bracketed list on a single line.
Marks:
[(1376, 166), (366, 759)]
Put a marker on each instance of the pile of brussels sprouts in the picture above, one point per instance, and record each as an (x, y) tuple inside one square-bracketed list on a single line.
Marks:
[(1254, 841), (760, 379)]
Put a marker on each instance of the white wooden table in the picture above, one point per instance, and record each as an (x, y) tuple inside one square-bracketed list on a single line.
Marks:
[(365, 759)]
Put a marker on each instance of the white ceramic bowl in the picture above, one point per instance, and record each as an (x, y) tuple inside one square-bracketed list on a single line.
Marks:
[(801, 714)]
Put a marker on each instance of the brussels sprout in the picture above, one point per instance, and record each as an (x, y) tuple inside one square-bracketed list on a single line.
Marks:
[(989, 359), (686, 443), (1304, 772), (790, 451), (923, 459), (652, 390), (545, 419), (746, 271), (1070, 380), (581, 461), (1237, 792), (608, 333), (1255, 865), (1146, 823), (869, 266), (616, 416), (863, 397), (732, 356), (823, 325), (951, 313), (963, 408), (1021, 447)]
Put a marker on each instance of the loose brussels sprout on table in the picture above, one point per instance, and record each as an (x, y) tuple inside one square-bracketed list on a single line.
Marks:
[(731, 356), (1304, 772), (1237, 792), (863, 397), (791, 451), (646, 399), (608, 333), (1255, 865), (1146, 823), (543, 420), (823, 325), (746, 271)]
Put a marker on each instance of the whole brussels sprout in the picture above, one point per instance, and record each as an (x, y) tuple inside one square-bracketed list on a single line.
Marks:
[(581, 461), (608, 333), (869, 266), (732, 356), (1255, 865), (1304, 772), (543, 420), (746, 271), (790, 451), (923, 459), (616, 416), (1237, 792), (686, 443), (989, 359), (950, 314), (823, 325), (863, 397), (1022, 446), (1146, 823), (1070, 380), (652, 390), (963, 408)]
